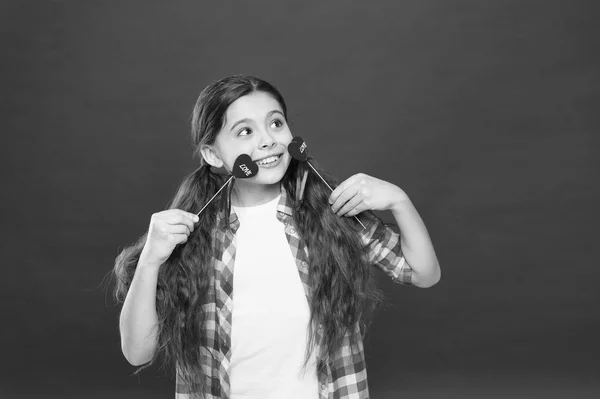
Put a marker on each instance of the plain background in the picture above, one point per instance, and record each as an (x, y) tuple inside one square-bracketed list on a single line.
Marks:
[(484, 112)]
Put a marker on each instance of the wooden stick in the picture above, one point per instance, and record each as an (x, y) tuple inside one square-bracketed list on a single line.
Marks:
[(313, 168), (213, 197)]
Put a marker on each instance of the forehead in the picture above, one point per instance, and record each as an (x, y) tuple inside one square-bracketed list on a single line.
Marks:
[(254, 106)]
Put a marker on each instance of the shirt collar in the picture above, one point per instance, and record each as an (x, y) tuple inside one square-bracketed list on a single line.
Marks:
[(284, 210)]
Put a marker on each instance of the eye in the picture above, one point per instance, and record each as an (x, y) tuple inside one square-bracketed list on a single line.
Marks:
[(245, 131), (277, 123)]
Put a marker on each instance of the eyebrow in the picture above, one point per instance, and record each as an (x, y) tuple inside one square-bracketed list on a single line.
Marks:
[(246, 120)]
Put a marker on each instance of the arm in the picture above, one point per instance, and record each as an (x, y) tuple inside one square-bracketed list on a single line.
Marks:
[(361, 192), (415, 242), (138, 319), (138, 322)]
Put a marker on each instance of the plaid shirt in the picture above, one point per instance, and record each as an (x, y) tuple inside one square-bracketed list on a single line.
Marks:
[(345, 375)]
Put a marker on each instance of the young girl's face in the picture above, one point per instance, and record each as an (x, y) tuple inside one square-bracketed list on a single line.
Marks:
[(255, 125)]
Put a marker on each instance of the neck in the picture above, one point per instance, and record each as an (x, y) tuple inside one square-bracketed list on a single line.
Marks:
[(246, 194)]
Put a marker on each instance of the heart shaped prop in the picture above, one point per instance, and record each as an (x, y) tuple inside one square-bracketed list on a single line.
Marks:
[(299, 151), (243, 167)]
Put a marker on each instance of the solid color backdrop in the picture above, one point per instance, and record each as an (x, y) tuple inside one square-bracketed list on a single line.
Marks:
[(485, 113)]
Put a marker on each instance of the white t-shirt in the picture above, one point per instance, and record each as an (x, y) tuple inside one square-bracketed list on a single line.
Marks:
[(270, 313)]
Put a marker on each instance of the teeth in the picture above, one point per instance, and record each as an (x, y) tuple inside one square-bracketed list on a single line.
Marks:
[(268, 160)]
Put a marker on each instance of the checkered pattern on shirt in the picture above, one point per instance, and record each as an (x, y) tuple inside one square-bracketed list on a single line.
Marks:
[(345, 375)]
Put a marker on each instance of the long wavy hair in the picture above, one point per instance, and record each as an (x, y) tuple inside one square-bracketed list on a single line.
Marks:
[(343, 289)]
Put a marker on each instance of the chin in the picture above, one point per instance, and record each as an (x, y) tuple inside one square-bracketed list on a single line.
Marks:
[(273, 177)]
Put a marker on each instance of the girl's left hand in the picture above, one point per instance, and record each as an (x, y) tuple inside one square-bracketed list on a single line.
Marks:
[(363, 192)]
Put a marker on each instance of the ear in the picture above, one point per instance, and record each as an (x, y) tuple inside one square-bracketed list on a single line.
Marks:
[(210, 155)]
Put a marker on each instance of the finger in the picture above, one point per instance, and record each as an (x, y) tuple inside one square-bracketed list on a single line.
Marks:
[(360, 207), (344, 197), (342, 187), (178, 218), (178, 229), (350, 205), (192, 216), (178, 238)]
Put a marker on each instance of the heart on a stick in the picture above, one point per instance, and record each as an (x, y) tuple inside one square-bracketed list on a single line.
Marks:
[(244, 167), (297, 149)]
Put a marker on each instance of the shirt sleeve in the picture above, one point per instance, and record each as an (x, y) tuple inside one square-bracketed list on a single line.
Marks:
[(384, 250)]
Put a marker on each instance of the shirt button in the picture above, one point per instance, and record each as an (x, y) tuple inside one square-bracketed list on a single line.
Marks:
[(320, 326), (323, 386), (292, 231), (304, 264)]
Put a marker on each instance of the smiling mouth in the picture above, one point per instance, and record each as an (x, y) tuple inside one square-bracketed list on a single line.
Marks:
[(268, 160)]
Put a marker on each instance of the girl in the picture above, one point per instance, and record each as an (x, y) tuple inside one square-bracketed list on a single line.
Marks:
[(264, 294)]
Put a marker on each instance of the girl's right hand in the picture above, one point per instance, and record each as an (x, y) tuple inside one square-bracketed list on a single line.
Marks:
[(167, 229)]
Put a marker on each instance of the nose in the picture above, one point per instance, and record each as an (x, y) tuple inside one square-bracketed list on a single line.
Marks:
[(266, 140)]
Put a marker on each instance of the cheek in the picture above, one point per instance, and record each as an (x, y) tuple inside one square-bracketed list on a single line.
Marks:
[(288, 161), (289, 136), (235, 151), (286, 138)]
